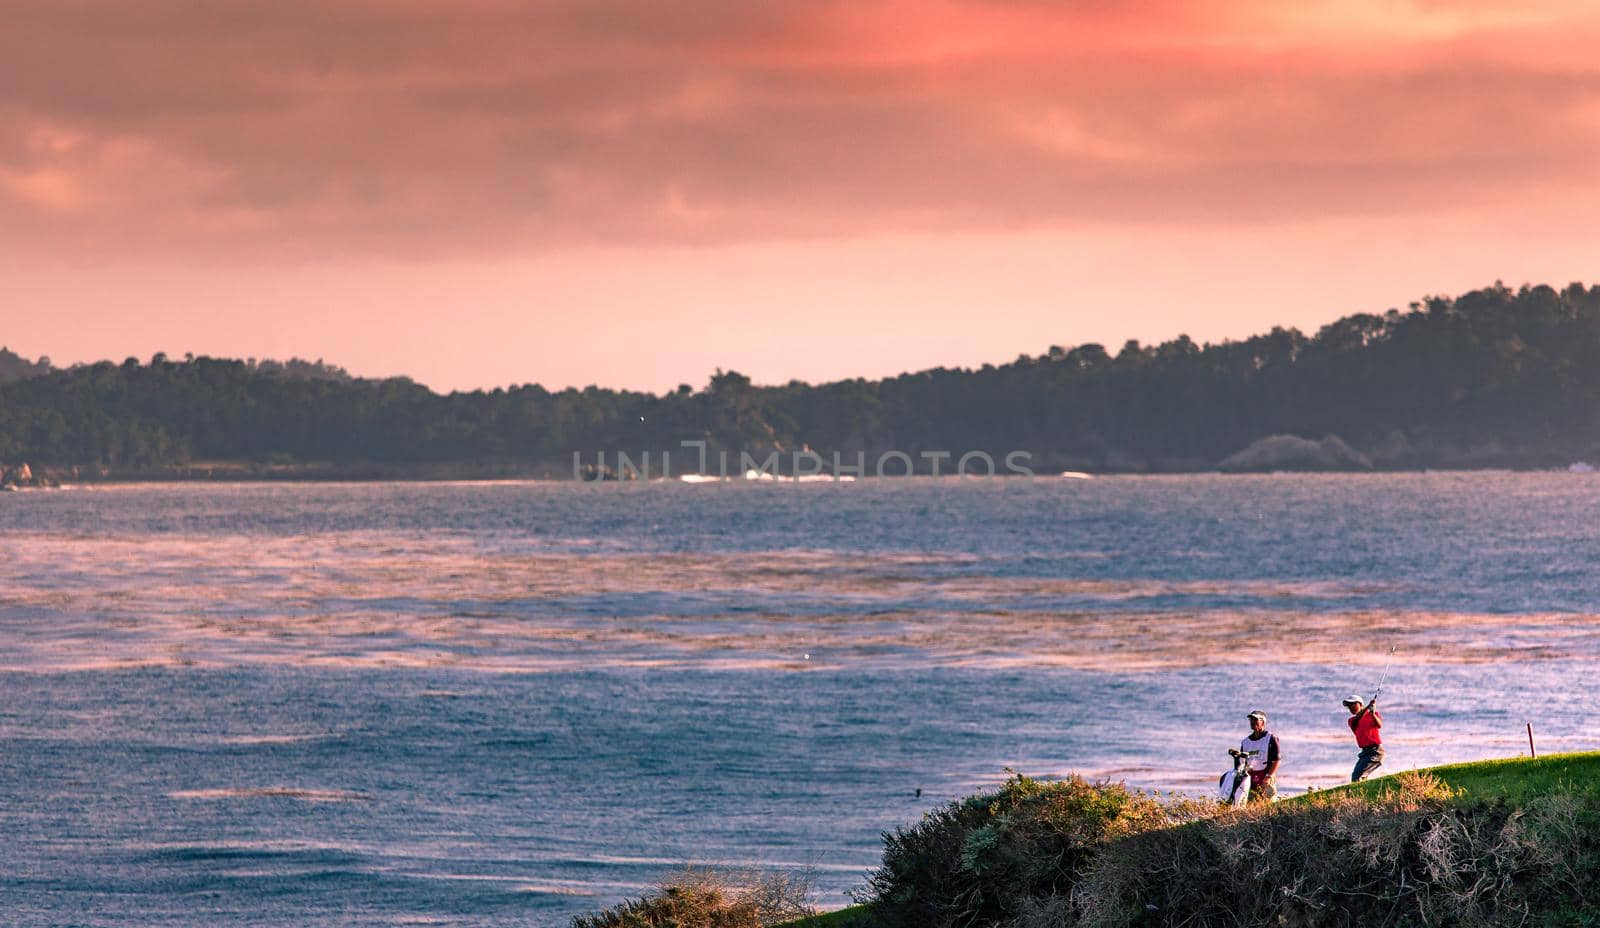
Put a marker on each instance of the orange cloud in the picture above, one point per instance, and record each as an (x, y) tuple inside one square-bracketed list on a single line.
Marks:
[(443, 129)]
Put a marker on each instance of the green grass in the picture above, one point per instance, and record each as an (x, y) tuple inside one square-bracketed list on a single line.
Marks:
[(1516, 779), (843, 918)]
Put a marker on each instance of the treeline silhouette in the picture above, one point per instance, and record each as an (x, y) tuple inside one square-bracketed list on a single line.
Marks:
[(15, 367), (1493, 377)]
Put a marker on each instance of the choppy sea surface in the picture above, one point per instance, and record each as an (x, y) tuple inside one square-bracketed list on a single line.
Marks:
[(507, 703)]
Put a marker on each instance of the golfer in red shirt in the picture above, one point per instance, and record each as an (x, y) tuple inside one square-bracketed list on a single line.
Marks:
[(1365, 722)]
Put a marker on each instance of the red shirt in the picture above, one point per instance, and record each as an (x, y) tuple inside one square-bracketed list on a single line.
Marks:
[(1366, 727)]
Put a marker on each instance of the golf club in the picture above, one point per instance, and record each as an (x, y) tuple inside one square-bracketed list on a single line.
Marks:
[(1384, 678)]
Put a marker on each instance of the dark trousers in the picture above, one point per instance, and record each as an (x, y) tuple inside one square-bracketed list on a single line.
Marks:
[(1371, 759)]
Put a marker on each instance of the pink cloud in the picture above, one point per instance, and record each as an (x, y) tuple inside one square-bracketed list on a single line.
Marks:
[(299, 129)]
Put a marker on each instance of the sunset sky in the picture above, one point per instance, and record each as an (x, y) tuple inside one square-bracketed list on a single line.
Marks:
[(634, 192)]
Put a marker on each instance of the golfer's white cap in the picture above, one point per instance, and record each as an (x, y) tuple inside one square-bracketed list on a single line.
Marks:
[(1354, 699)]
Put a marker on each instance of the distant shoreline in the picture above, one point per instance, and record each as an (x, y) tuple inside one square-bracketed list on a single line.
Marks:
[(238, 472), (1494, 378)]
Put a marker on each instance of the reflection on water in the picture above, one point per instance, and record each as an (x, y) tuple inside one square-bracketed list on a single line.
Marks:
[(505, 703), (366, 600)]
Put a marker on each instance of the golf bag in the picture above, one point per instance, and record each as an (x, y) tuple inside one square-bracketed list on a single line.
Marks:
[(1234, 785)]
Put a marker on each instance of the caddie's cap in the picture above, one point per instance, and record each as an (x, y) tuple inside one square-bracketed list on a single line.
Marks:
[(1258, 714)]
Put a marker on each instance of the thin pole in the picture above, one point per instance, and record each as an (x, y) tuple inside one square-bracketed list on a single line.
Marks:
[(1531, 753)]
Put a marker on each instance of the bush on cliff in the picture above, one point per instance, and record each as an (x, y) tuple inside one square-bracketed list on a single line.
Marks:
[(1409, 851), (1411, 856), (701, 898), (979, 860)]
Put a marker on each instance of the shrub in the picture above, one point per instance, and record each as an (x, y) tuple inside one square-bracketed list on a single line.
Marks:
[(1081, 855), (1412, 855), (702, 898), (979, 860)]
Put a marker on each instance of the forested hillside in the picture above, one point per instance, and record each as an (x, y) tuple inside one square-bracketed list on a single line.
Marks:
[(1493, 377), (15, 367)]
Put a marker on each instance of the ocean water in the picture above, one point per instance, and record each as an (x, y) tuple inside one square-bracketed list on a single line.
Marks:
[(507, 703)]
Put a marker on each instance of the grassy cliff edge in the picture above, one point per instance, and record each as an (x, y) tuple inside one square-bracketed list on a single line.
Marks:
[(1491, 843)]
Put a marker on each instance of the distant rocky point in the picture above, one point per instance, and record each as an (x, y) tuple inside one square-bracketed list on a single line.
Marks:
[(1291, 452)]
